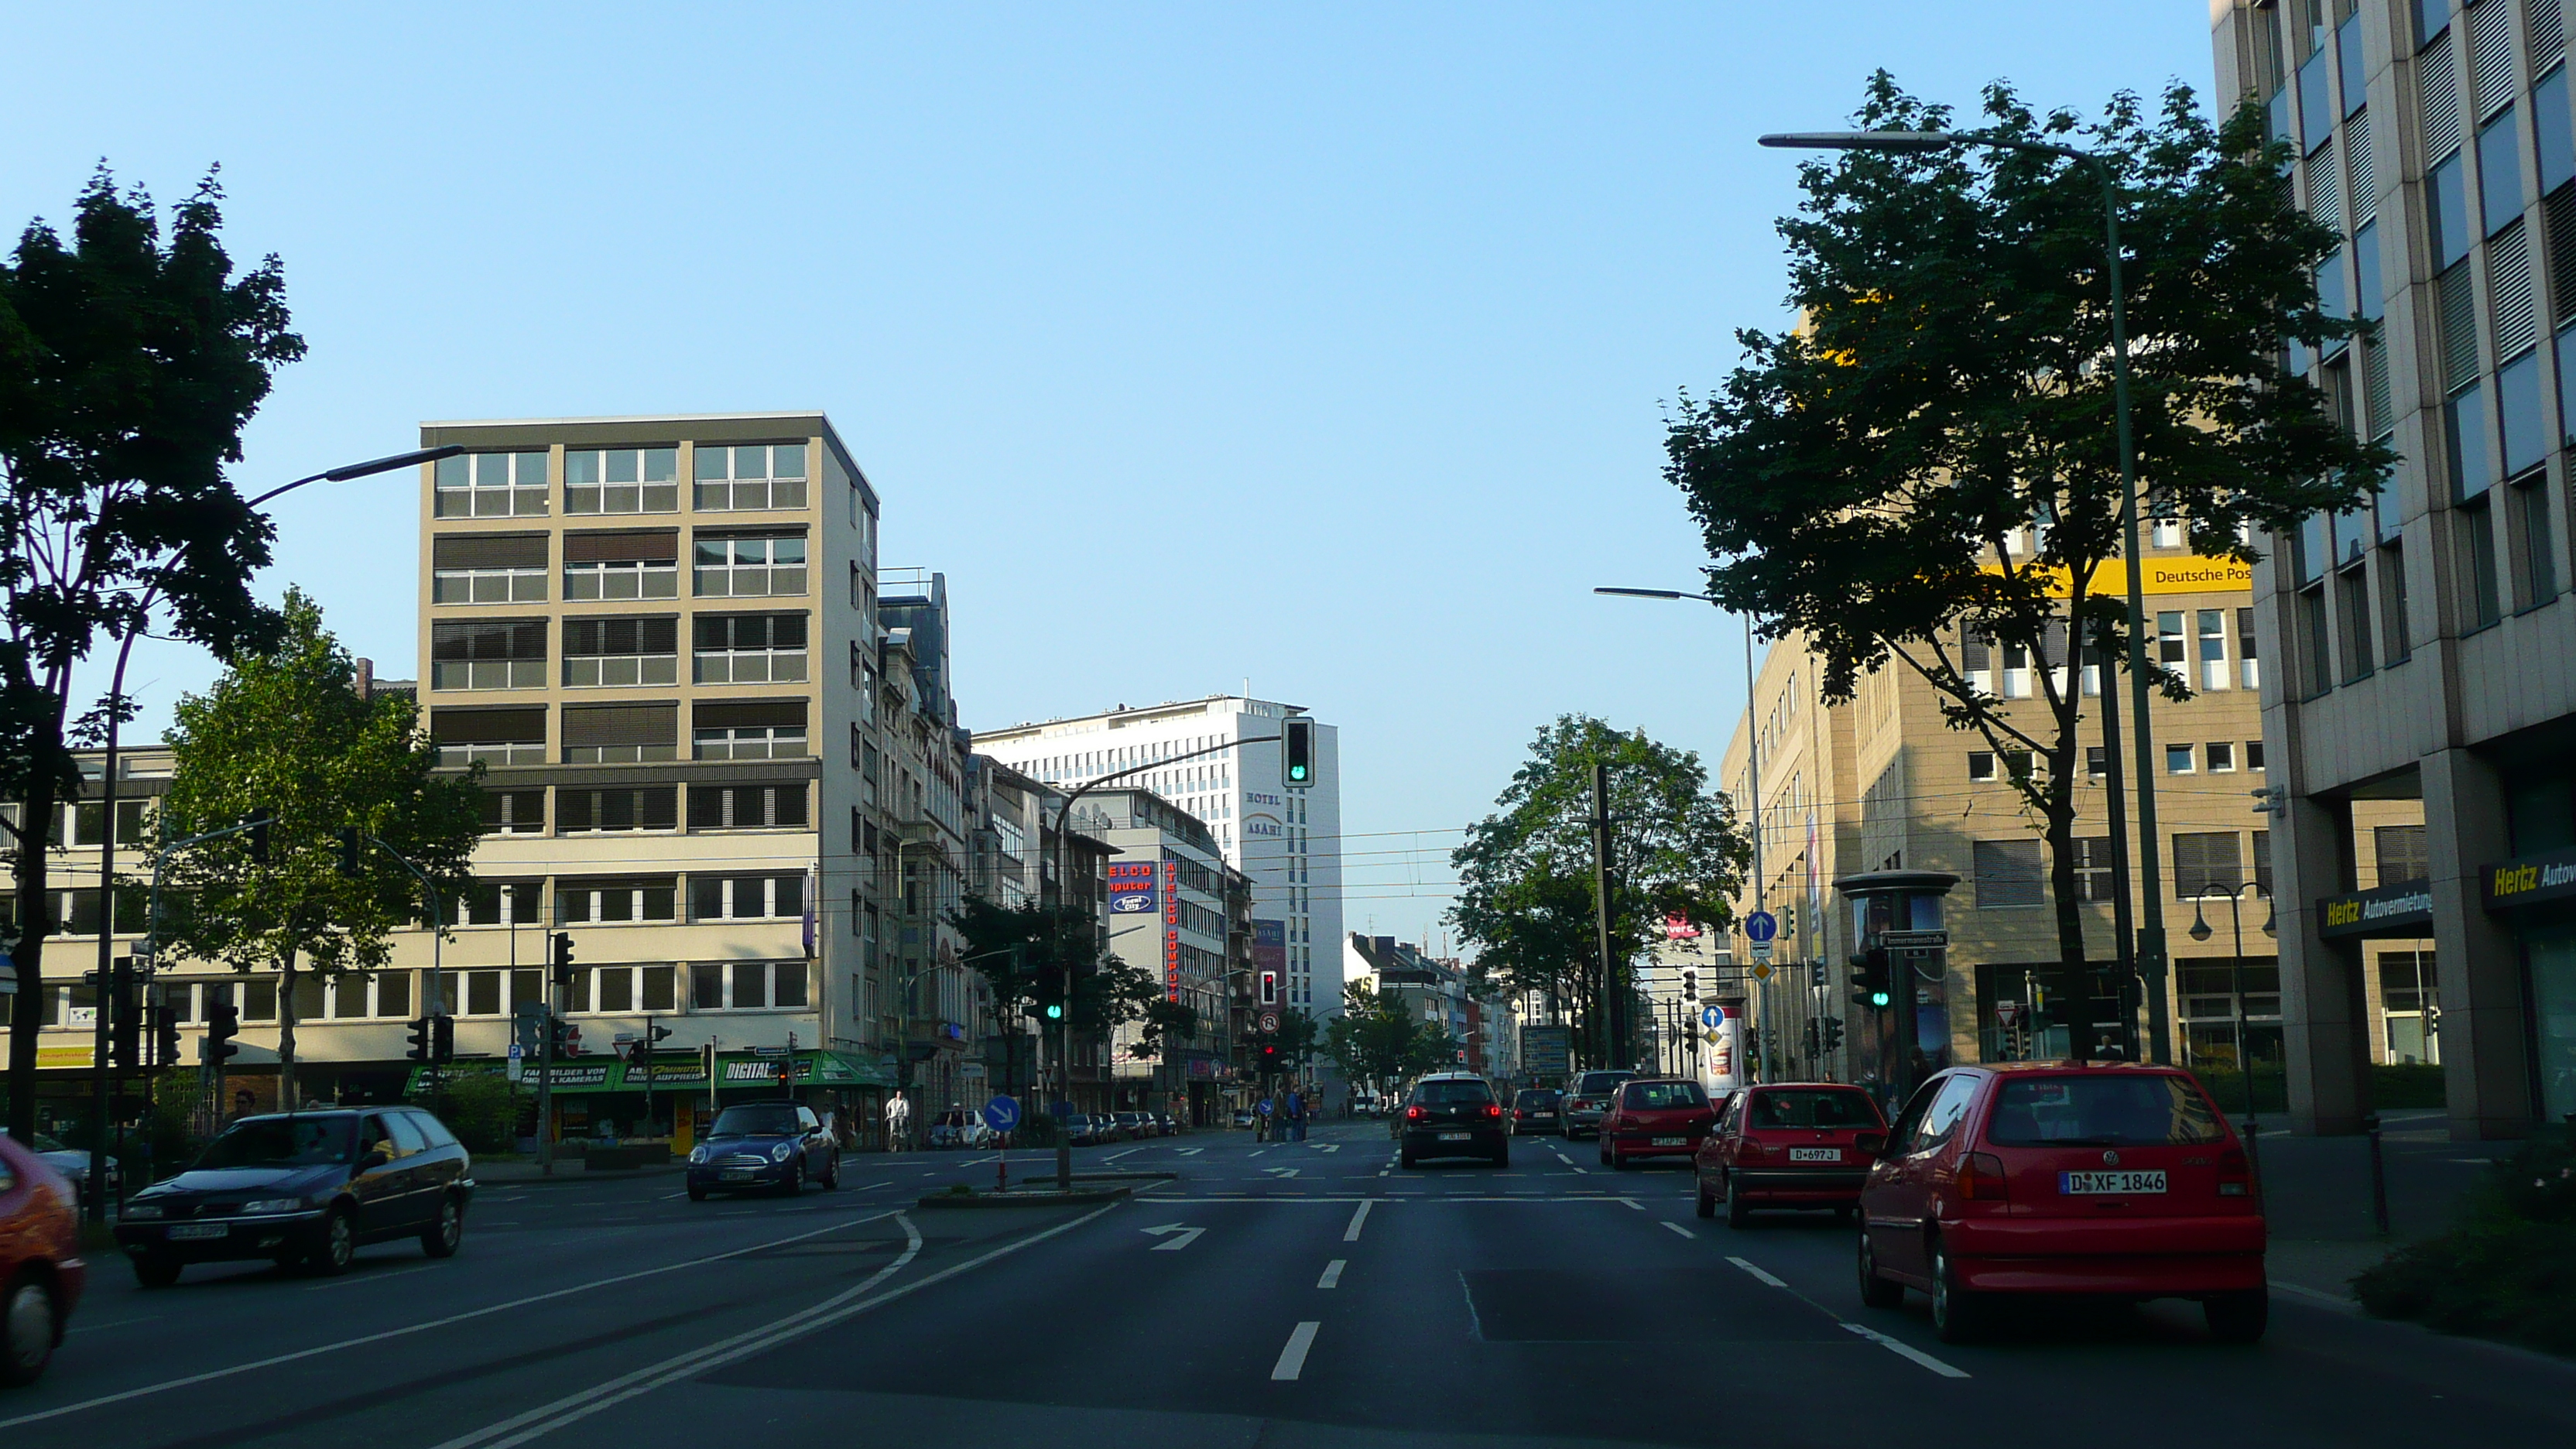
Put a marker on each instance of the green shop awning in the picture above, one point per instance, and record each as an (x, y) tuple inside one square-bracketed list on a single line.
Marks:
[(677, 1072)]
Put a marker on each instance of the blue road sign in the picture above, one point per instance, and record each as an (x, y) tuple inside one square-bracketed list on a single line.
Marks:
[(1761, 926), (1002, 1114), (1712, 1016)]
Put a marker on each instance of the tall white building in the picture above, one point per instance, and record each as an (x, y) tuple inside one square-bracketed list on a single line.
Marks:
[(1287, 841)]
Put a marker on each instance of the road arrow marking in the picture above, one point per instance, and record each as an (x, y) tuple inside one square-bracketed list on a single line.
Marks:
[(1187, 1236), (1191, 1151), (1280, 1171), (1328, 1147)]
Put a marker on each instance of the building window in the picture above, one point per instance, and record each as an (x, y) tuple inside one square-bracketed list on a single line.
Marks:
[(750, 730), (2206, 862), (753, 477), (2168, 533), (2253, 754), (746, 985), (2352, 590), (480, 568), (607, 653), (491, 485), (750, 566), (2400, 853), (751, 807), (493, 736), (2178, 759), (514, 812), (750, 648), (499, 903), (2526, 436), (488, 654), (2499, 174), (1981, 764), (621, 566), (628, 990), (1976, 660), (2249, 667), (600, 812), (613, 734), (622, 480), (2535, 565), (2097, 762), (2465, 430), (2473, 530), (2008, 874), (2213, 648), (2221, 755), (2409, 1001), (2392, 603), (2094, 879), (2171, 650), (2315, 642), (2448, 215), (608, 902), (746, 897)]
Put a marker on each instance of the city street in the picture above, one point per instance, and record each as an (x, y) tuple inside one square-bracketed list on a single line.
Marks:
[(1285, 1294)]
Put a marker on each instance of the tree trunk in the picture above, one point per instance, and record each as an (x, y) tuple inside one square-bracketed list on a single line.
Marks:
[(2073, 961), (286, 1094), (30, 874)]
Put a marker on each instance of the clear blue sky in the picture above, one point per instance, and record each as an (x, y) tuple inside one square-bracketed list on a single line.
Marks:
[(1320, 344)]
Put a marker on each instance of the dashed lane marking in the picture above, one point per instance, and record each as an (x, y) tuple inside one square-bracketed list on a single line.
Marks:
[(1759, 1276), (1359, 1218), (1908, 1351), (1685, 1232), (1332, 1274), (1292, 1358)]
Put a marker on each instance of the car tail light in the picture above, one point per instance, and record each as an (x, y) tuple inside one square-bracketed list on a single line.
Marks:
[(1981, 1178), (1493, 1109), (2235, 1174), (1412, 1114), (1749, 1149)]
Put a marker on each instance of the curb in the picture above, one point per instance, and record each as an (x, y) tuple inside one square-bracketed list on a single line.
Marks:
[(959, 1200), (576, 1173)]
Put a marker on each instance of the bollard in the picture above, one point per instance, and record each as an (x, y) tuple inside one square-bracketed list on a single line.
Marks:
[(2378, 1175)]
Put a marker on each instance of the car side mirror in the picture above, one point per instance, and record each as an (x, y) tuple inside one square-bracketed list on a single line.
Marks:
[(1870, 1144)]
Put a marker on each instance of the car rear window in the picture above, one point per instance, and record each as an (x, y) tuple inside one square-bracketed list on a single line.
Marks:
[(1535, 1098), (2107, 1110), (1663, 1096), (1813, 1108), (1453, 1094), (1593, 1084)]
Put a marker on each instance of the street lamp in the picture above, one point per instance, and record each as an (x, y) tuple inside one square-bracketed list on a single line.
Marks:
[(107, 792), (1752, 786), (2200, 931), (2151, 929)]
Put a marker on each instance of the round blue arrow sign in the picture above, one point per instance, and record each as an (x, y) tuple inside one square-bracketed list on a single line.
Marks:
[(1002, 1114), (1761, 926)]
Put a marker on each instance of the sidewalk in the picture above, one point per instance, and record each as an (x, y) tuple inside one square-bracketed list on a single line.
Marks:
[(2316, 1194)]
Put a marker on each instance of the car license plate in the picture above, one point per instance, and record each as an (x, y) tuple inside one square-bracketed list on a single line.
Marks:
[(2096, 1183), (197, 1230), (1453, 1136), (740, 1174), (1815, 1154), (1672, 1142)]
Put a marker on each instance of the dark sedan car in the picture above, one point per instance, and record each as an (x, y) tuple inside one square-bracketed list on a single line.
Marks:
[(1538, 1109), (304, 1187), (1453, 1114), (777, 1146)]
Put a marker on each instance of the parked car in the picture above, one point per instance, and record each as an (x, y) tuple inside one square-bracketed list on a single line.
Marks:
[(1082, 1129), (1589, 1096), (958, 1127), (306, 1188), (73, 1164), (1243, 1118), (1787, 1145), (1538, 1109), (1165, 1125), (1655, 1117), (2051, 1178), (778, 1146), (1453, 1114), (41, 1270), (1132, 1126)]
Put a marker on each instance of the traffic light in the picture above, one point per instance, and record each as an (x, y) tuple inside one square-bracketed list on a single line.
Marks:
[(1833, 1033), (1048, 989), (1870, 984), (165, 1035), (419, 1037), (442, 1038), (1814, 1037), (223, 1022), (559, 957), (1298, 738), (124, 1016), (1690, 986), (349, 839), (1270, 988)]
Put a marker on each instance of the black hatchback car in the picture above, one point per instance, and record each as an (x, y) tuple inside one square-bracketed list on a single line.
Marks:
[(1453, 1114), (779, 1146), (1538, 1109), (304, 1188)]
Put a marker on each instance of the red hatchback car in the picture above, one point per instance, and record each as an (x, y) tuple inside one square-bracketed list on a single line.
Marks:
[(1655, 1117), (1788, 1145), (2028, 1178), (41, 1271)]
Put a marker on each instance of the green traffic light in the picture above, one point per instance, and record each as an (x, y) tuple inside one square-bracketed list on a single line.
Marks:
[(1054, 1012), (1880, 998), (1296, 772)]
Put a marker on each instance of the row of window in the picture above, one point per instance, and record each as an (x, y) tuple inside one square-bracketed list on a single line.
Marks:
[(592, 734), (672, 988), (593, 811), (2217, 757), (622, 480), (622, 651), (2213, 649), (2008, 874)]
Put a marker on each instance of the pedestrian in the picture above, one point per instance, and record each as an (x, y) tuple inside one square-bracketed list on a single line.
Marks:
[(1296, 1115), (898, 1121)]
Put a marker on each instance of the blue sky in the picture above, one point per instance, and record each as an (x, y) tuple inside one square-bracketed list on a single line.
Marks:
[(1325, 345)]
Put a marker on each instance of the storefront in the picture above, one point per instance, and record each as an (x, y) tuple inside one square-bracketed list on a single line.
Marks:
[(610, 1099), (2534, 896)]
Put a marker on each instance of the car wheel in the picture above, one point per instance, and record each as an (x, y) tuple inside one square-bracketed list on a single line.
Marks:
[(156, 1271), (1503, 1158), (697, 1193), (832, 1174), (1738, 1211), (26, 1331), (2238, 1317), (338, 1247), (1404, 1158), (1959, 1315), (443, 1236), (1707, 1202), (795, 1186), (1875, 1291)]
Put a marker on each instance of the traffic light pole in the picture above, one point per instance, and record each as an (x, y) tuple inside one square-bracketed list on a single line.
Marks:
[(437, 941)]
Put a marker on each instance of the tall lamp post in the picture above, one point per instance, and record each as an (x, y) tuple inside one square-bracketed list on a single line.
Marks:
[(2200, 932), (1752, 786), (2151, 929), (100, 1068)]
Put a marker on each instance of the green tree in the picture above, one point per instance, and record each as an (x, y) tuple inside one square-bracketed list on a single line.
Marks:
[(129, 363), (1107, 992), (284, 733), (1930, 462), (1373, 1038), (1526, 873)]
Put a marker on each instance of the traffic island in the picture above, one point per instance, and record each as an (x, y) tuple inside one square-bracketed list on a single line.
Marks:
[(2508, 1271)]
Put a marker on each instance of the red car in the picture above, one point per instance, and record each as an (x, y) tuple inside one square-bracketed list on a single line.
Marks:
[(2029, 1178), (1655, 1117), (1789, 1145), (41, 1272)]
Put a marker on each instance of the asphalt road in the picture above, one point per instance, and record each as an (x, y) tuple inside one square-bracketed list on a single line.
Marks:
[(1284, 1295)]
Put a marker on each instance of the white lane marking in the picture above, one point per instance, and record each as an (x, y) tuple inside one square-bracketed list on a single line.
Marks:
[(1328, 1147), (210, 1375), (2341, 1305), (1632, 1202), (1908, 1351), (1758, 1274), (1359, 1215), (1130, 1152), (1187, 1237), (122, 1322), (666, 1197), (1578, 1169), (1256, 1152), (548, 1417), (1292, 1358), (369, 1278), (1189, 1151), (1332, 1274), (1685, 1232), (1280, 1171)]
